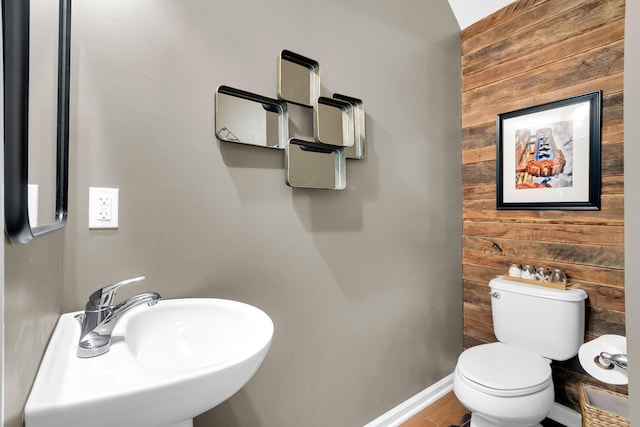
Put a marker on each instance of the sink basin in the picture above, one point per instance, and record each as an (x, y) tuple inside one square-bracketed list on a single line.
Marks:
[(167, 364)]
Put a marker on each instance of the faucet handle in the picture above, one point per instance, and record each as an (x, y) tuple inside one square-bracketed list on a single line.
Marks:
[(103, 297)]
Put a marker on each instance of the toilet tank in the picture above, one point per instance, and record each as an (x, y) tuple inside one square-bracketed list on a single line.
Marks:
[(547, 321)]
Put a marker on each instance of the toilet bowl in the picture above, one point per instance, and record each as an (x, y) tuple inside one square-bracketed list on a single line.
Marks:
[(503, 385), (508, 383)]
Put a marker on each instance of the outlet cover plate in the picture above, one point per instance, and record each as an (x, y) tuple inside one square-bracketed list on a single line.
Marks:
[(103, 207)]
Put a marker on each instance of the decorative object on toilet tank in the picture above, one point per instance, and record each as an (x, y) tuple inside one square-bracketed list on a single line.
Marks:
[(558, 276), (515, 270), (548, 156), (338, 124)]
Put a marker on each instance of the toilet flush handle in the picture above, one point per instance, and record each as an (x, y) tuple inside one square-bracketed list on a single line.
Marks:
[(495, 294)]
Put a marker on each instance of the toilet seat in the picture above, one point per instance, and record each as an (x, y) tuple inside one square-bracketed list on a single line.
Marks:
[(502, 370)]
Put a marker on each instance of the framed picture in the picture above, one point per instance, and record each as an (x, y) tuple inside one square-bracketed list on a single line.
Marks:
[(549, 155)]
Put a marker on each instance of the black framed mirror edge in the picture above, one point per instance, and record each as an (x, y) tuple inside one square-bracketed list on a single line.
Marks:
[(15, 39)]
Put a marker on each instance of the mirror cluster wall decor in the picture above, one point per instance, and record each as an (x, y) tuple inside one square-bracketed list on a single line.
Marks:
[(357, 150), (338, 124), (314, 165), (251, 119), (15, 39), (298, 79), (334, 122)]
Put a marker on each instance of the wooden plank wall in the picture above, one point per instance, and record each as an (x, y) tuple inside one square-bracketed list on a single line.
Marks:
[(528, 53)]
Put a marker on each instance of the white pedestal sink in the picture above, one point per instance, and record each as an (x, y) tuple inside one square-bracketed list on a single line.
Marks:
[(167, 364)]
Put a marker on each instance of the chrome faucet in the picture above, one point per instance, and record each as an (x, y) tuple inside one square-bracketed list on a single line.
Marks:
[(101, 316)]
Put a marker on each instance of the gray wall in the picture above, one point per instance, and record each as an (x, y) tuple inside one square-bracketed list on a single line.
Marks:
[(632, 199), (337, 327), (32, 296), (363, 285), (33, 273)]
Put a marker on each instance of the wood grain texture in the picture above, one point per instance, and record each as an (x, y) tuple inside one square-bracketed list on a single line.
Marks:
[(543, 56), (564, 233), (529, 53), (479, 141), (611, 213), (446, 411), (487, 111), (581, 22), (595, 63), (507, 13)]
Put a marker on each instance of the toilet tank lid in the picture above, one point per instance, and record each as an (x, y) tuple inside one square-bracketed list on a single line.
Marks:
[(540, 291)]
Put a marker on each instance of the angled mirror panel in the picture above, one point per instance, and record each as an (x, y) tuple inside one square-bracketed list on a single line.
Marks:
[(357, 150), (298, 79), (334, 122), (313, 165), (15, 39), (246, 118)]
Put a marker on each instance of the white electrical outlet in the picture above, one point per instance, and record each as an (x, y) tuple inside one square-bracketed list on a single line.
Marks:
[(103, 207)]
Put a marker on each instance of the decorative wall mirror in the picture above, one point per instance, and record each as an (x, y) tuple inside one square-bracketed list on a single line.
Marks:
[(313, 165), (357, 150), (247, 118), (338, 124), (298, 79), (17, 149), (334, 122)]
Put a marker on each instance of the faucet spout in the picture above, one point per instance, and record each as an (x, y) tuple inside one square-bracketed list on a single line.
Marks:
[(98, 321)]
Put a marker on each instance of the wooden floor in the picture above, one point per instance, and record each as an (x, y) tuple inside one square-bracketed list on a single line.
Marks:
[(443, 413), (447, 412)]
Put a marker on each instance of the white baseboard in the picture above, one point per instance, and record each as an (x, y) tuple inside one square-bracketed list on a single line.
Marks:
[(415, 404), (566, 416)]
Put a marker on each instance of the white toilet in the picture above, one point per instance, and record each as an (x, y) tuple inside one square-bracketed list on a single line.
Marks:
[(508, 383)]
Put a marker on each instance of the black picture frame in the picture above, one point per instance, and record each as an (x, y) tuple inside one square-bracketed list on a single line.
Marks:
[(548, 155)]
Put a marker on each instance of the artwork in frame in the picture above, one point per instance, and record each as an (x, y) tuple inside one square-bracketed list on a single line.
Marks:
[(548, 156)]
